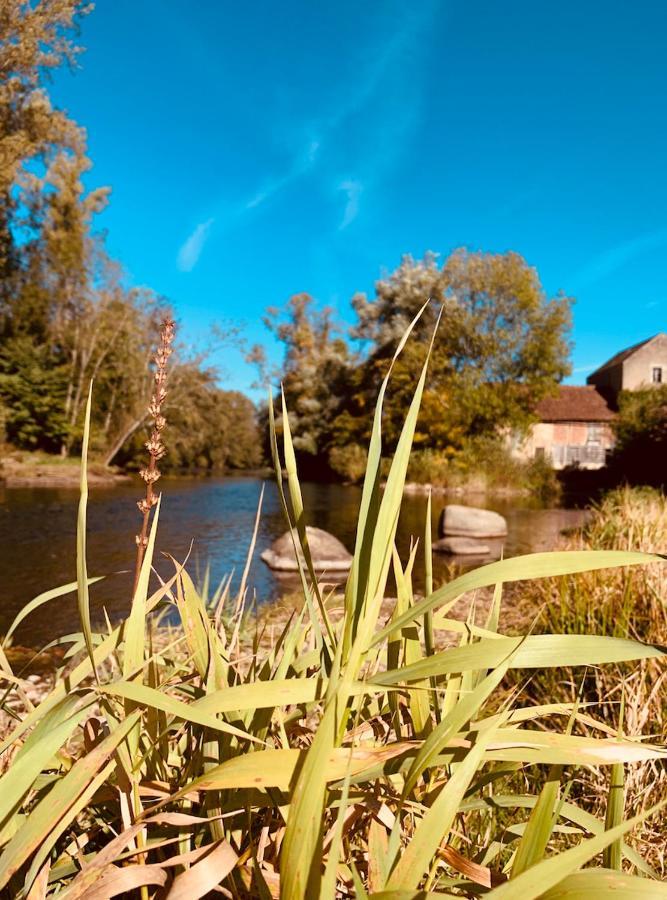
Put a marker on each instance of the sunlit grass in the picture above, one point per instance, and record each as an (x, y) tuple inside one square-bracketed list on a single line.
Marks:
[(344, 755)]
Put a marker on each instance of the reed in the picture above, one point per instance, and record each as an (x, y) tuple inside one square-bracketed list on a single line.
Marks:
[(345, 755)]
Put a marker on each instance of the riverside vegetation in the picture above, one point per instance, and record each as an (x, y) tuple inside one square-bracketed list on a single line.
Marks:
[(350, 753)]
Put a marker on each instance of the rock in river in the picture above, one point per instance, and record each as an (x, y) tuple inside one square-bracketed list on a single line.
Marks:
[(328, 554), (469, 521), (461, 546)]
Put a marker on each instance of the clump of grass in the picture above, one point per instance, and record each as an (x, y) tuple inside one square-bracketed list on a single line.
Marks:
[(345, 756), (624, 602)]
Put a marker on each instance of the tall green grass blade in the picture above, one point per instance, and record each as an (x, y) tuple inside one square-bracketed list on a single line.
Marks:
[(596, 882), (40, 599), (429, 641), (533, 652), (525, 568), (300, 866), (537, 880), (300, 522), (81, 564), (438, 820), (135, 629), (357, 583), (612, 855), (146, 696), (307, 591)]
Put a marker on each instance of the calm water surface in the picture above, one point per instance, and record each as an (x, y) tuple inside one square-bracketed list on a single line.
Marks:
[(38, 534)]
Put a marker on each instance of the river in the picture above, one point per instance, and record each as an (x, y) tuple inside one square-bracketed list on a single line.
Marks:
[(216, 515)]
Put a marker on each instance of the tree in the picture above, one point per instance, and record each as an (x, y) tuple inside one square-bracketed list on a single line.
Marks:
[(641, 437), (315, 368), (500, 347), (35, 38)]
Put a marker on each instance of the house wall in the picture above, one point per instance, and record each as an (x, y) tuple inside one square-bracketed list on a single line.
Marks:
[(609, 380), (637, 369), (568, 443)]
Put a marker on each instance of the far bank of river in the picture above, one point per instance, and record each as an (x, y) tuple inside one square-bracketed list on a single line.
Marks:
[(38, 530)]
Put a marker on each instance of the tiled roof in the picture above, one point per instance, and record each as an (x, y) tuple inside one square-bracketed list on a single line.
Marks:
[(575, 404), (622, 356)]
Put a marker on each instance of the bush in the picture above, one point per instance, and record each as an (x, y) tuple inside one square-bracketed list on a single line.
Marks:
[(617, 603), (641, 437), (348, 462)]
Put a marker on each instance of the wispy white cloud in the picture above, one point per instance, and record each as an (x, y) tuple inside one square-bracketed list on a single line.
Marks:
[(353, 190), (609, 262), (579, 370), (392, 99), (356, 143), (191, 249), (302, 163)]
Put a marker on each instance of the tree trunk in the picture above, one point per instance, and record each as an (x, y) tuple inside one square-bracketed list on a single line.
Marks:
[(125, 436)]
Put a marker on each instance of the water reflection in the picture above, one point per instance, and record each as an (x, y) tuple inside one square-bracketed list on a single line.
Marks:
[(38, 531)]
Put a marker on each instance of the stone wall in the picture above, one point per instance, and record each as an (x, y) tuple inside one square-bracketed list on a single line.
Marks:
[(568, 443), (638, 368)]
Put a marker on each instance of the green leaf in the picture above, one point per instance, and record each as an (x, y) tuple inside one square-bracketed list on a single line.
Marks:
[(533, 652), (534, 882), (40, 599), (146, 696), (523, 568), (81, 565), (438, 820), (593, 882)]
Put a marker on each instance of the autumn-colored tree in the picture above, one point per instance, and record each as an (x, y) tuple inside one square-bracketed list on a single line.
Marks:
[(501, 345), (35, 38), (67, 314), (313, 375)]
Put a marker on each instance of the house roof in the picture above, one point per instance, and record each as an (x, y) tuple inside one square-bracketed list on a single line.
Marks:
[(580, 403), (622, 356)]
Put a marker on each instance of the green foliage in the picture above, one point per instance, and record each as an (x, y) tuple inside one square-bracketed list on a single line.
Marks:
[(32, 391), (641, 437), (342, 756), (313, 373), (349, 462), (67, 314), (484, 464), (501, 346)]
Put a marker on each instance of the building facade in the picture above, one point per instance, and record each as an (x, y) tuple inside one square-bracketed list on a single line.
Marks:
[(637, 367), (574, 429), (575, 425)]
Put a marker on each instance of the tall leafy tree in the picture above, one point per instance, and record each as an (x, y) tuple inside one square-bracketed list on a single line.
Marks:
[(501, 344), (314, 372)]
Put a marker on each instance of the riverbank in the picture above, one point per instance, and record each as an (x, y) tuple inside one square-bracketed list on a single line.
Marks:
[(20, 470)]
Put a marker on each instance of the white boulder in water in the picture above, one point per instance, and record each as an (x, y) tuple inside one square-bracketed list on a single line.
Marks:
[(461, 546), (469, 521), (327, 552)]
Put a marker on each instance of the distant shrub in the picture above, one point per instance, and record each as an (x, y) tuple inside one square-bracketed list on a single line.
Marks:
[(349, 462), (641, 437), (484, 464)]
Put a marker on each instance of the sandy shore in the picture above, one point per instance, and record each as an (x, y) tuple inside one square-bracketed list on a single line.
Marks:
[(18, 473)]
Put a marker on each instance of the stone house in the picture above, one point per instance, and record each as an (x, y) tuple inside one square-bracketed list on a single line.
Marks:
[(574, 429), (575, 424), (639, 366)]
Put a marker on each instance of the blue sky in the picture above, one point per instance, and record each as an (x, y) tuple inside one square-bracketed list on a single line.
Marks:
[(257, 149)]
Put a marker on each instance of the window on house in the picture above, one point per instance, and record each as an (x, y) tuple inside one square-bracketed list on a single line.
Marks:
[(594, 432), (656, 375), (539, 452)]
